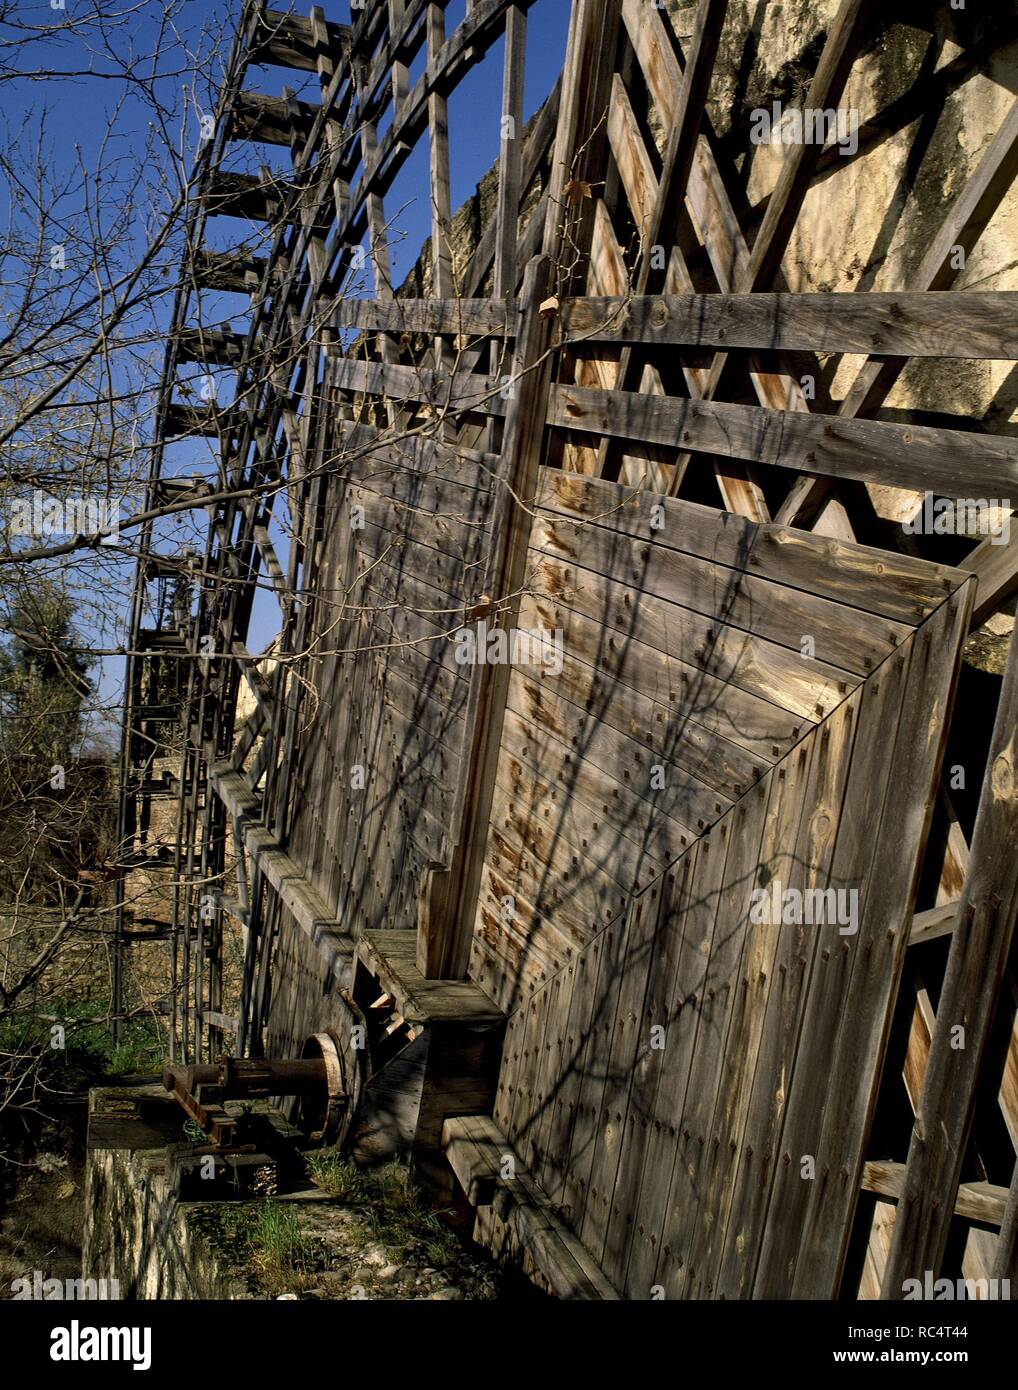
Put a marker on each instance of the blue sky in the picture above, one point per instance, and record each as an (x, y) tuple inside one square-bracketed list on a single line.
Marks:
[(86, 116)]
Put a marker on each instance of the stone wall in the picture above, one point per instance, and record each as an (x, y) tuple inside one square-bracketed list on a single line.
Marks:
[(135, 1230)]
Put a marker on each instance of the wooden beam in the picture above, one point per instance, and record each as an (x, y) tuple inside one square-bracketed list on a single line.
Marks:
[(929, 324), (269, 120), (934, 922), (450, 900), (442, 282), (510, 187), (234, 271), (288, 40), (995, 565), (952, 463), (976, 1201), (490, 1172), (579, 138), (510, 167), (216, 346), (968, 999), (961, 228), (785, 201), (247, 196), (479, 317), (1005, 1260), (306, 905)]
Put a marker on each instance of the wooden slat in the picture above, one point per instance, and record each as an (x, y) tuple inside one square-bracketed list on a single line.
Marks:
[(479, 1147), (962, 227), (930, 324), (398, 385), (809, 688), (995, 565), (975, 968), (479, 317), (797, 167), (903, 589), (917, 749), (952, 463), (976, 1201), (843, 637), (445, 939), (269, 120), (287, 40)]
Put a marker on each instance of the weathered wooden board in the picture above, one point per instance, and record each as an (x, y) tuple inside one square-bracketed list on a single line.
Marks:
[(952, 463), (930, 324), (689, 1169)]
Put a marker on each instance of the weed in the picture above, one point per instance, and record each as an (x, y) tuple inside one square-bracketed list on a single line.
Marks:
[(389, 1206)]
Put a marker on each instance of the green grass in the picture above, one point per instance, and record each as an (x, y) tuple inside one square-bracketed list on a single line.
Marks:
[(278, 1242), (265, 1237), (389, 1206)]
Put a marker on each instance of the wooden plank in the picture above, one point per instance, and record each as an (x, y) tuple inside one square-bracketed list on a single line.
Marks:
[(400, 385), (697, 1206), (869, 1001), (545, 1073), (445, 939), (669, 192), (630, 153), (269, 120), (951, 463), (788, 803), (903, 590), (213, 345), (733, 715), (995, 566), (797, 167), (308, 907), (706, 755), (962, 227), (442, 282), (584, 972), (841, 636), (951, 323), (249, 196), (600, 795), (807, 688), (841, 823), (537, 144), (287, 40), (389, 955), (510, 167), (1005, 1260), (569, 1268), (653, 1260), (729, 256), (977, 1201), (469, 317), (453, 574), (583, 101), (620, 1034), (535, 903), (968, 997), (233, 271), (658, 1041), (510, 173), (683, 796), (475, 1156), (525, 796)]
